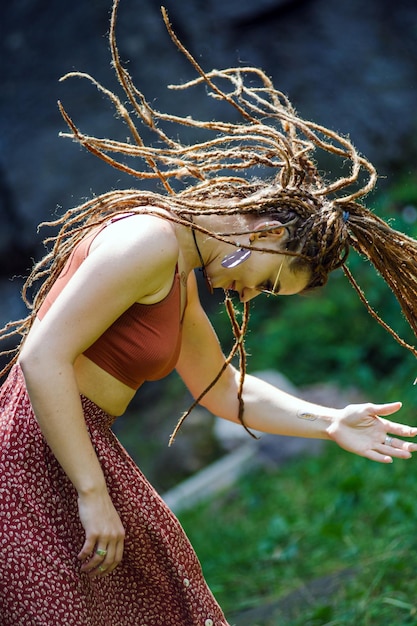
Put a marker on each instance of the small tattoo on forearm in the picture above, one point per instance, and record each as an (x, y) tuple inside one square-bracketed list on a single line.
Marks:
[(307, 416)]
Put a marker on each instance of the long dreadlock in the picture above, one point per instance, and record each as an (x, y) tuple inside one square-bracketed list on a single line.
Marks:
[(324, 218)]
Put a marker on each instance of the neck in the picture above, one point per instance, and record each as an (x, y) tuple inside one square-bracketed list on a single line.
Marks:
[(202, 264), (199, 249), (200, 257)]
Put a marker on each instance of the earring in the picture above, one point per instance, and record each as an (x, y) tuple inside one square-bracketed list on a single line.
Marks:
[(236, 258)]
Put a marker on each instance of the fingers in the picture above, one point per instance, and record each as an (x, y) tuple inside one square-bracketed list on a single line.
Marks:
[(399, 448), (386, 409), (400, 444), (401, 430), (118, 555), (111, 559), (379, 457), (398, 453), (101, 560), (95, 560), (87, 549), (391, 448), (384, 454)]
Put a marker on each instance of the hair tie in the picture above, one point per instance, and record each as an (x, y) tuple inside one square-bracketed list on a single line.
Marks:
[(345, 216)]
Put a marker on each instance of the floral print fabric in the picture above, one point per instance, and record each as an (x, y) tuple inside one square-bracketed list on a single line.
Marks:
[(158, 583)]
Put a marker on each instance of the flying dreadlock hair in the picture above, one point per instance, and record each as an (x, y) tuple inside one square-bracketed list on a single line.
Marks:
[(324, 218)]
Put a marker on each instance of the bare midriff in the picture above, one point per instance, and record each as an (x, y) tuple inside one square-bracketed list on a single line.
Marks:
[(102, 388), (105, 390)]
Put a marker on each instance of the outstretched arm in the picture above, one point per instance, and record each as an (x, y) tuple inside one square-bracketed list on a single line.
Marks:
[(358, 428), (361, 428)]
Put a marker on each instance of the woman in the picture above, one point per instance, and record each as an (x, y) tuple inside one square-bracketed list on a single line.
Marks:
[(85, 539)]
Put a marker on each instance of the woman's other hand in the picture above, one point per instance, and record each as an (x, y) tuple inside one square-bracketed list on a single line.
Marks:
[(360, 428), (104, 534)]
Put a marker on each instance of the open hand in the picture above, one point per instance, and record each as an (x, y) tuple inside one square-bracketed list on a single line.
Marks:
[(359, 428)]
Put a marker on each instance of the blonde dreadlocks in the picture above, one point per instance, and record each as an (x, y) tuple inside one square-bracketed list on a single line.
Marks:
[(326, 218)]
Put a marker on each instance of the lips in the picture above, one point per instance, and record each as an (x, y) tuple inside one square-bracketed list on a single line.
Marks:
[(232, 287)]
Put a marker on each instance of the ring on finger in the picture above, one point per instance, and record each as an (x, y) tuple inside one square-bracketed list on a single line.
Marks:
[(101, 552), (388, 440), (101, 568)]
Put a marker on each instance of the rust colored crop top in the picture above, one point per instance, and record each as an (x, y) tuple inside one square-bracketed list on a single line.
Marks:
[(143, 343)]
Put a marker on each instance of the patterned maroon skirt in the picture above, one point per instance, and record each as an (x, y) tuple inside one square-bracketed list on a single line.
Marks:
[(158, 583)]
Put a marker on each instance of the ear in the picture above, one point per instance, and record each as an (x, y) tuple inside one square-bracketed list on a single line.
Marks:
[(268, 229)]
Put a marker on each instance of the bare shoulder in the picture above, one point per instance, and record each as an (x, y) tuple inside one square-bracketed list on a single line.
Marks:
[(137, 234), (136, 246)]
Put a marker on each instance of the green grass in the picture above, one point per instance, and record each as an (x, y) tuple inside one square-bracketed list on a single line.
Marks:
[(276, 532)]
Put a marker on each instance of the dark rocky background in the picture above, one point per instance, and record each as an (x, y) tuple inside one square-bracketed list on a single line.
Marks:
[(350, 65)]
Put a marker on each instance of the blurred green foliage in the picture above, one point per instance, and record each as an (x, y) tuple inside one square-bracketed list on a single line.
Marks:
[(323, 541)]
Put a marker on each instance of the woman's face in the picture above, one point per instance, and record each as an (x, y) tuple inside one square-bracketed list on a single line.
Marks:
[(265, 273), (262, 271)]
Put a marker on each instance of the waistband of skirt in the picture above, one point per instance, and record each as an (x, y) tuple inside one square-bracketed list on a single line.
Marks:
[(92, 412), (95, 413)]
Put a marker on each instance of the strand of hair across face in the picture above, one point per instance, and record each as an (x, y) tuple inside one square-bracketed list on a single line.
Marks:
[(240, 334), (238, 347)]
